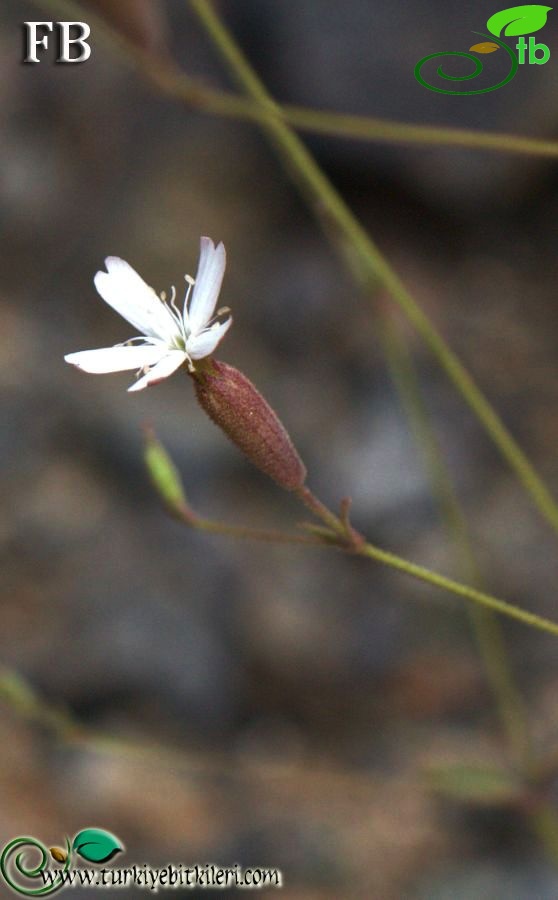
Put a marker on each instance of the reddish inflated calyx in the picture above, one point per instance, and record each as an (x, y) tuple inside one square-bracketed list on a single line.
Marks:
[(233, 403)]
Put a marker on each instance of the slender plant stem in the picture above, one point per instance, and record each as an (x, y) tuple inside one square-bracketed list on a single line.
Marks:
[(173, 82), (358, 545), (454, 587), (386, 131), (339, 535), (543, 815), (243, 532), (333, 213), (487, 630), (320, 510)]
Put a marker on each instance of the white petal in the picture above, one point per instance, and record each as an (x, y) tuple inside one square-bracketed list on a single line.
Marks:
[(165, 367), (200, 345), (116, 359), (123, 289), (211, 269)]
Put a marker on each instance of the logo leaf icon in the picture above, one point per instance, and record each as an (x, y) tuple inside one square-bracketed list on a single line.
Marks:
[(518, 20), (95, 845), (485, 47)]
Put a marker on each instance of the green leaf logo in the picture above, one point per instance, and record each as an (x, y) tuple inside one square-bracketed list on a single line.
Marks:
[(518, 20), (95, 845)]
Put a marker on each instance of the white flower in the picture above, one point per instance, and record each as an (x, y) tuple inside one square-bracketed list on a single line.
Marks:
[(170, 337)]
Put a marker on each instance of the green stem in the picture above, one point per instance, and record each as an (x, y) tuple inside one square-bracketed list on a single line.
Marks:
[(356, 544), (320, 510), (361, 251), (385, 131), (455, 587), (252, 534), (488, 633), (337, 534)]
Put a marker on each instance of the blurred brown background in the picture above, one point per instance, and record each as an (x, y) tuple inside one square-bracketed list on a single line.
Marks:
[(302, 691)]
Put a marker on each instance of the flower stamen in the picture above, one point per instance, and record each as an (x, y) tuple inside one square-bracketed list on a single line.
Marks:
[(177, 315), (190, 282)]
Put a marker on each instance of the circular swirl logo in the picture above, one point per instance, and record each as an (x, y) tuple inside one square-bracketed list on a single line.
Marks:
[(478, 67), (517, 22), (17, 871)]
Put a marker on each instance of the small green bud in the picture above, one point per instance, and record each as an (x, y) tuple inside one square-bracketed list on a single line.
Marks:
[(164, 474), (234, 404)]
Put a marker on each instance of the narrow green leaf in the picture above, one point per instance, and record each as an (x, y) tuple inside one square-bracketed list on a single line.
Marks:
[(95, 845), (479, 785), (518, 20), (163, 473)]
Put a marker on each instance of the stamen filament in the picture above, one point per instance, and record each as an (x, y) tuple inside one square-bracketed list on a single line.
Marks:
[(190, 282)]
